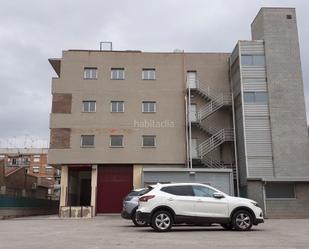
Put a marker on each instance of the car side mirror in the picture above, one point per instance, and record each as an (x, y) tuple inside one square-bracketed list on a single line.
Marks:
[(218, 195)]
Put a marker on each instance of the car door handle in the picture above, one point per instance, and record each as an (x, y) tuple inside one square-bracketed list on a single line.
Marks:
[(199, 200)]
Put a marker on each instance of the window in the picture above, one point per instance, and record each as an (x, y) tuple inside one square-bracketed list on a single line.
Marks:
[(90, 73), (289, 17), (116, 140), (48, 168), (256, 97), (249, 97), (14, 161), (117, 73), (149, 74), (117, 106), (149, 106), (253, 60), (89, 106), (36, 158), (87, 141), (149, 141), (280, 190), (25, 160), (36, 169), (202, 191), (179, 190), (261, 97), (140, 192)]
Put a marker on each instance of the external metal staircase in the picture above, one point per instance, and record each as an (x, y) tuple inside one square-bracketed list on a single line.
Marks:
[(214, 105), (223, 135), (206, 129), (214, 101)]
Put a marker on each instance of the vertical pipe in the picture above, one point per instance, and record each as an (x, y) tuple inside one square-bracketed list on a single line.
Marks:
[(187, 138), (190, 129)]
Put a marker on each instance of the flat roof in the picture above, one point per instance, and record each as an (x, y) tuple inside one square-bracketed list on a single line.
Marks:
[(216, 170)]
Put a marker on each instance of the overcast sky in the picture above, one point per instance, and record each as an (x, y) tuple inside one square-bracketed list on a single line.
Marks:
[(34, 30)]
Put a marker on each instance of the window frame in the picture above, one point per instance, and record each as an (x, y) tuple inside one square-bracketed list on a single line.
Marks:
[(116, 146), (198, 186), (116, 101), (87, 146), (179, 186), (253, 60), (113, 69), (146, 71), (91, 68), (254, 95), (89, 106), (35, 169), (149, 146), (282, 198), (149, 102), (36, 158)]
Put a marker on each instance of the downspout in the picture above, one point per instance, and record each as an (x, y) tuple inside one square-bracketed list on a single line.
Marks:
[(190, 129), (264, 198), (234, 130), (186, 111)]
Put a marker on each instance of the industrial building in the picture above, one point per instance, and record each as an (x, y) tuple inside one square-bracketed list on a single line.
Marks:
[(126, 119)]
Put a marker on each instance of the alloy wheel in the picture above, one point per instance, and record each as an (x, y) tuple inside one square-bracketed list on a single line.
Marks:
[(242, 221)]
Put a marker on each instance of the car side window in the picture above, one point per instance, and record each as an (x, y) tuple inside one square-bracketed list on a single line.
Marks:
[(179, 190), (202, 191)]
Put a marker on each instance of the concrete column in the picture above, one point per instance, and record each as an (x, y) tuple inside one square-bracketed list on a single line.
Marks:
[(3, 190), (137, 176), (64, 186), (94, 180)]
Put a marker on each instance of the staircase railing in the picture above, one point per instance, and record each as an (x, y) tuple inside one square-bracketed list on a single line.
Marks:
[(214, 141), (214, 105), (212, 163)]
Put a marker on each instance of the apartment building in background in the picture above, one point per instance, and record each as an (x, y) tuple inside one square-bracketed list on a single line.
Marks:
[(124, 119), (34, 161)]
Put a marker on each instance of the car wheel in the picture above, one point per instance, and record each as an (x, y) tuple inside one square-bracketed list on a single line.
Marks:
[(161, 221), (228, 226), (242, 220), (138, 222)]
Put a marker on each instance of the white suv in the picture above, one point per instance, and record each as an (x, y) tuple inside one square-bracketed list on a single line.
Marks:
[(194, 203)]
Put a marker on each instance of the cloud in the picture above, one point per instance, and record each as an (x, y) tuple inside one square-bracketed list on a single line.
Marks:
[(33, 31)]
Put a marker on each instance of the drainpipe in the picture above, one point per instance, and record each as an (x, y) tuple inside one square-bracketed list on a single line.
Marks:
[(190, 130), (264, 198), (187, 138)]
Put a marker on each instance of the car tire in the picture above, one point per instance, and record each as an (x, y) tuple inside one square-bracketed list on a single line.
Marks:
[(137, 222), (162, 221), (228, 226), (242, 220)]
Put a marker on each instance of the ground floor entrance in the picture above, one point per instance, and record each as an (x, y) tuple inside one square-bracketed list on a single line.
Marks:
[(114, 183)]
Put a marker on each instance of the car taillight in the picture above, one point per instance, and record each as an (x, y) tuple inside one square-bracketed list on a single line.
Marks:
[(146, 198)]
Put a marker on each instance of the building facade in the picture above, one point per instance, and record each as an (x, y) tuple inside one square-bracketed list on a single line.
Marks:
[(34, 161), (123, 119)]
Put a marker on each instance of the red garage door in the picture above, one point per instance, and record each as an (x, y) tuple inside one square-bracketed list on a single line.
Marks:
[(114, 183)]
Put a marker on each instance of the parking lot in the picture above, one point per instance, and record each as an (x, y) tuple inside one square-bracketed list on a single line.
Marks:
[(111, 231)]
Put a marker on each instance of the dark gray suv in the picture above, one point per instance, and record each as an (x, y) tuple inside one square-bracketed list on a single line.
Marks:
[(130, 204)]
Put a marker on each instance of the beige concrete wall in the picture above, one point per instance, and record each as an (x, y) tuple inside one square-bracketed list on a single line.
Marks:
[(137, 176), (64, 185), (168, 90), (94, 180)]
